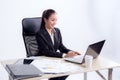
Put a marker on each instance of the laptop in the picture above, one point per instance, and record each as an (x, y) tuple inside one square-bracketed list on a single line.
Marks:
[(93, 50)]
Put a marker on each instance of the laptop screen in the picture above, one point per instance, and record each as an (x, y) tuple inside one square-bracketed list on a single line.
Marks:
[(95, 49)]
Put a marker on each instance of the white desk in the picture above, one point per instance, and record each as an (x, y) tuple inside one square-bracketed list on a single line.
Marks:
[(99, 63)]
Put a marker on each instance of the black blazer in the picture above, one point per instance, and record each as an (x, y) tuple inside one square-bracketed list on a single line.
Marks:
[(46, 46)]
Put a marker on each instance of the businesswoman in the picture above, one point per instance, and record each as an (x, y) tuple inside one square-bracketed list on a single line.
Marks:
[(49, 39)]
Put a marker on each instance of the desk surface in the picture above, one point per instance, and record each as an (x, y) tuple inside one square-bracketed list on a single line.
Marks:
[(99, 63)]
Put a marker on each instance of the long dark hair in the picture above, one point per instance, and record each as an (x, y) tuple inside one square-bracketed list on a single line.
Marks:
[(46, 14)]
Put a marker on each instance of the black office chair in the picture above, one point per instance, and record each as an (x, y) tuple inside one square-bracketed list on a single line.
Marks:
[(30, 28)]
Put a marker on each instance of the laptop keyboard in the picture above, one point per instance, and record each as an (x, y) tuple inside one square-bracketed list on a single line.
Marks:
[(77, 58)]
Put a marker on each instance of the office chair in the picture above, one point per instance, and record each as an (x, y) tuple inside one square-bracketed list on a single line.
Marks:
[(30, 27)]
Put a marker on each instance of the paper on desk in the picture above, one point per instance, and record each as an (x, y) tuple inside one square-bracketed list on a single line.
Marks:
[(54, 66)]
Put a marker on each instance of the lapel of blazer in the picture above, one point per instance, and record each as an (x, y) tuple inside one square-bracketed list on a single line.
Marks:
[(55, 39), (46, 37)]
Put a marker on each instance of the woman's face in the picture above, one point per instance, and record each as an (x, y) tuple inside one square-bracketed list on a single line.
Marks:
[(51, 21)]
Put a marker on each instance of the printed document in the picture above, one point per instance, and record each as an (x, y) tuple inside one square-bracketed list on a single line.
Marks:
[(54, 66)]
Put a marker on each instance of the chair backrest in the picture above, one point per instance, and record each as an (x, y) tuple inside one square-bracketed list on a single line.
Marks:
[(30, 27)]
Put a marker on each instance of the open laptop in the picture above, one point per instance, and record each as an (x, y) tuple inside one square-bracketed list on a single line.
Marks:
[(93, 50)]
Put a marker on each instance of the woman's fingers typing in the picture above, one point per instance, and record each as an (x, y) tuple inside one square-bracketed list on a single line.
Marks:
[(72, 54)]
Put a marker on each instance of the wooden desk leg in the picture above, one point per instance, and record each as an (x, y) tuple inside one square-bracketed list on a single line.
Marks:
[(85, 76), (110, 74)]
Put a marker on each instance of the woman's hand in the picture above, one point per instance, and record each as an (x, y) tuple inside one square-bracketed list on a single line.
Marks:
[(72, 54)]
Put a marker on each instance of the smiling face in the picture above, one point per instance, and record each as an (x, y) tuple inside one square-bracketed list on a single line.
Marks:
[(51, 21)]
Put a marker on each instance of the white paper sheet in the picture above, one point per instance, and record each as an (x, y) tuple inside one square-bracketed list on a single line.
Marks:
[(54, 66)]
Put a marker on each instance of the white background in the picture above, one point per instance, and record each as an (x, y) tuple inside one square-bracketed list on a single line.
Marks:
[(81, 22)]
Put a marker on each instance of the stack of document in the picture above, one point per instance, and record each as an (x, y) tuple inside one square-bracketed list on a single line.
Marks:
[(22, 71), (54, 66)]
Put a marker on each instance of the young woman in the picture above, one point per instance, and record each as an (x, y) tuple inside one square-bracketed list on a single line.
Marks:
[(49, 39)]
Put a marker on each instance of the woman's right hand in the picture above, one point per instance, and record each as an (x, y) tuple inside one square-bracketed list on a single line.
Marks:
[(71, 54)]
